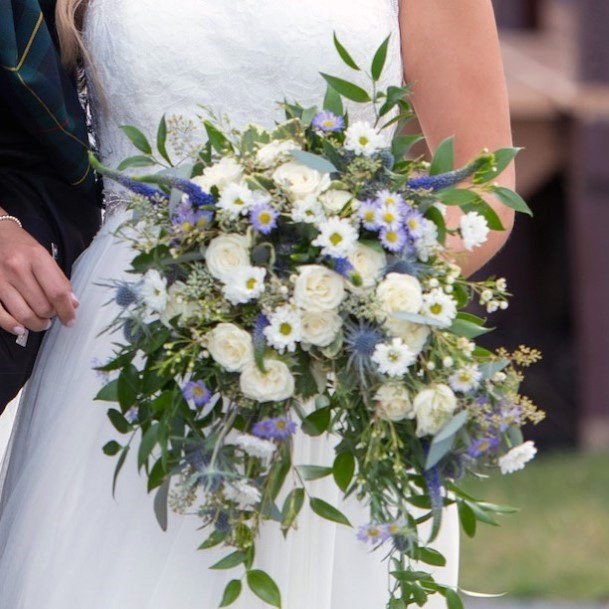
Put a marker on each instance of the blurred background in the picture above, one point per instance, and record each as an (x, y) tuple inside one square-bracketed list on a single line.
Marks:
[(555, 552)]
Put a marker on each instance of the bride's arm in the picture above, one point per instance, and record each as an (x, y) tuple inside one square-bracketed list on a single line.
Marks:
[(451, 55)]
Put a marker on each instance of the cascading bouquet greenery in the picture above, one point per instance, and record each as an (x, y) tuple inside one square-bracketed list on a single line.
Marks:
[(296, 280)]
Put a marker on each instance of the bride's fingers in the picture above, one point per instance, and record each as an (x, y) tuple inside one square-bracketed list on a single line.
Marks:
[(9, 323), (19, 310), (32, 293), (56, 287)]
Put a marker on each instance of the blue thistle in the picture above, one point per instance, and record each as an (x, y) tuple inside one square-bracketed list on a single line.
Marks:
[(361, 340), (125, 295)]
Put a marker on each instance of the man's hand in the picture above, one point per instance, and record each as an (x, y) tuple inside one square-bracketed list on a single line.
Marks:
[(33, 288)]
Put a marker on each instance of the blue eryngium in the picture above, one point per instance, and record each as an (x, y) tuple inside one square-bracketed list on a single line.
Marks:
[(360, 341), (448, 179)]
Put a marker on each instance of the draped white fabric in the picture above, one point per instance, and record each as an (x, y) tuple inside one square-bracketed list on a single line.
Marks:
[(65, 543)]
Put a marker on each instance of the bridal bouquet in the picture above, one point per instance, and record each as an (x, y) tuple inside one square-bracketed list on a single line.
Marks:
[(297, 280)]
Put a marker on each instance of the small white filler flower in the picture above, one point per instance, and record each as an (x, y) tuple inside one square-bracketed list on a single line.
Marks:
[(154, 291), (474, 230)]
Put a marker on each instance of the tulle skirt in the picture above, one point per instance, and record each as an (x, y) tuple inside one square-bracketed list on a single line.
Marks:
[(65, 543)]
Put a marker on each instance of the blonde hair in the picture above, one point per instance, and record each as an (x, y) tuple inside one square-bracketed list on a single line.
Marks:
[(68, 21)]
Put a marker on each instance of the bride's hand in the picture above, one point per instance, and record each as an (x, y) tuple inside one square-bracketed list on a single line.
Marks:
[(33, 288)]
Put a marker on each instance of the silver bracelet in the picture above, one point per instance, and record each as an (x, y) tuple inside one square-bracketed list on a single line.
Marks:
[(12, 219)]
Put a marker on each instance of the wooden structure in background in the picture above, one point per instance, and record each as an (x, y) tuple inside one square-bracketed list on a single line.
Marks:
[(557, 65)]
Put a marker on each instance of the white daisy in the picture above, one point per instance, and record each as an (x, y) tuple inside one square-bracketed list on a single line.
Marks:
[(439, 306), (474, 230), (394, 358), (465, 379), (243, 284), (256, 447), (236, 199), (388, 215), (284, 329), (517, 458), (154, 291), (243, 494), (337, 238), (308, 210), (362, 138)]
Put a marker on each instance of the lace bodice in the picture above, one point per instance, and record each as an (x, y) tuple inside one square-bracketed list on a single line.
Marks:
[(168, 56)]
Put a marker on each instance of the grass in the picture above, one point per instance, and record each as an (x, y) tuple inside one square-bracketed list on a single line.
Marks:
[(557, 546)]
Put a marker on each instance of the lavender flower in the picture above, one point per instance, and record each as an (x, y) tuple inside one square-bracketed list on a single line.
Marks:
[(368, 215), (132, 414), (394, 239), (263, 217), (414, 222), (373, 533), (198, 392), (481, 446), (186, 218), (327, 121), (277, 428)]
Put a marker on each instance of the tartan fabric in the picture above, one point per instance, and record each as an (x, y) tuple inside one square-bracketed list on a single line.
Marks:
[(39, 91)]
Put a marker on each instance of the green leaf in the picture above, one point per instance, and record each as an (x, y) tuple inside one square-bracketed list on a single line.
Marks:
[(344, 54), (457, 196), (313, 472), (512, 199), (112, 448), (435, 215), (452, 427), (119, 466), (467, 328), (467, 518), (161, 139), (230, 561), (453, 600), (438, 450), (231, 592), (327, 511), (481, 207), (109, 392), (343, 470), (401, 144), (481, 514), (378, 62), (444, 157), (314, 161), (216, 138), (136, 161), (291, 507), (148, 442), (160, 504), (317, 422), (262, 585), (431, 557), (138, 139), (502, 157), (128, 386), (348, 89), (118, 421), (333, 101)]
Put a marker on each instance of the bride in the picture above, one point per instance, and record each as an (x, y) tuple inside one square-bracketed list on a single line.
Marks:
[(65, 543)]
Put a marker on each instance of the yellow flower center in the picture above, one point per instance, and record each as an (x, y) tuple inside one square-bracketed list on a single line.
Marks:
[(335, 238), (363, 140), (265, 217), (436, 308), (285, 328), (251, 283)]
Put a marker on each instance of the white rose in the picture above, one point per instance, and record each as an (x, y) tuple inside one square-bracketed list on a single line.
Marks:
[(400, 293), (230, 346), (178, 305), (334, 200), (414, 335), (227, 253), (300, 181), (317, 288), (269, 154), (224, 172), (369, 263), (393, 402), (434, 407), (274, 385), (320, 328)]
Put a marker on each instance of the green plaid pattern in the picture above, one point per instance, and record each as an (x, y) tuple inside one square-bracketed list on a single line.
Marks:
[(36, 87)]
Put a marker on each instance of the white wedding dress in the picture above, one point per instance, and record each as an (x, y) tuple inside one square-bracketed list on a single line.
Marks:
[(65, 543)]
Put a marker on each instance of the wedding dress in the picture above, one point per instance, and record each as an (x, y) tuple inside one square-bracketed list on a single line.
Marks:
[(65, 543)]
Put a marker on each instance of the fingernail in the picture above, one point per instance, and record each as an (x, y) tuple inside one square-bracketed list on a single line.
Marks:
[(70, 323), (75, 300), (18, 330), (49, 324)]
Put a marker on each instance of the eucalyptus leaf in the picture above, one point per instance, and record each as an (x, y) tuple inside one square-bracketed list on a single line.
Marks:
[(438, 450), (416, 318), (489, 369), (109, 392), (452, 427), (118, 421), (160, 504), (314, 161)]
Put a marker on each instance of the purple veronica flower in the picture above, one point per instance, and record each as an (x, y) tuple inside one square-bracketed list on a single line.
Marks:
[(368, 215), (198, 392), (373, 533), (277, 428), (263, 217), (394, 239), (328, 121)]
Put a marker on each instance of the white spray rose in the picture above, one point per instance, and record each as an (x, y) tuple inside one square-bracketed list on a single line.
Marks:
[(369, 263), (274, 385), (393, 402), (334, 200), (269, 154), (434, 407), (414, 335), (300, 181), (226, 171), (227, 253), (320, 328), (399, 292), (178, 305), (154, 291), (317, 288), (230, 346)]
